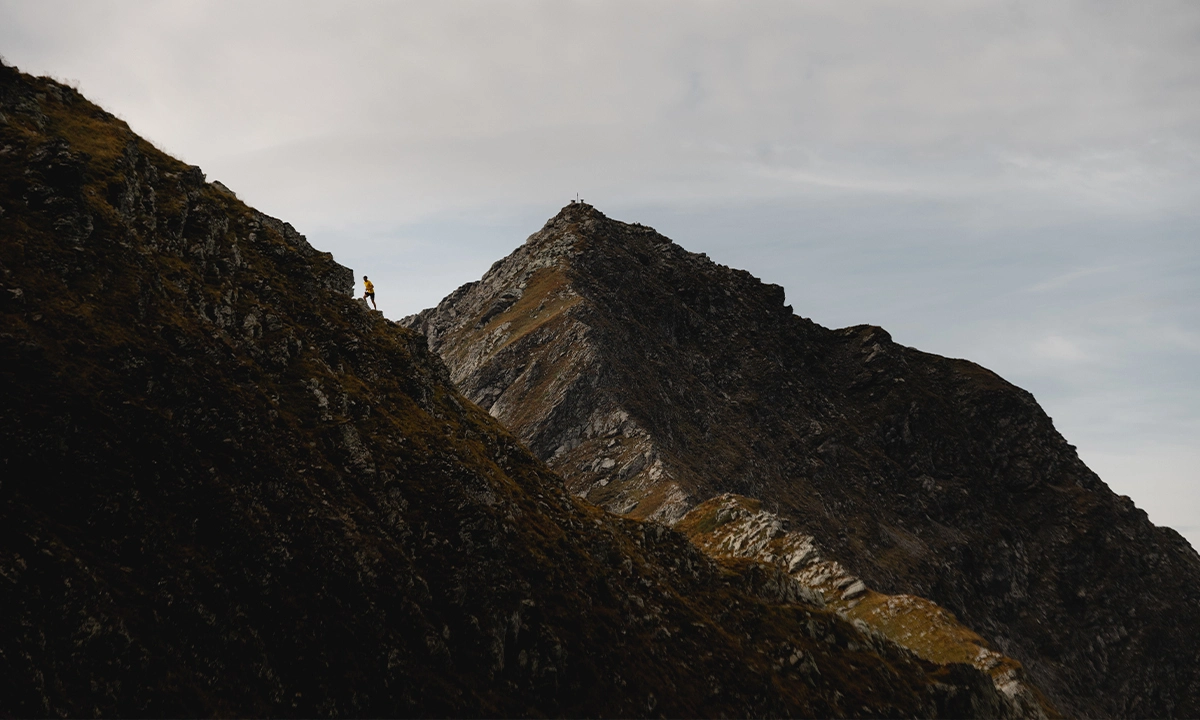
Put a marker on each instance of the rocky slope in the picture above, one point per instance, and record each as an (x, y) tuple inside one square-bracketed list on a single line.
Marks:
[(228, 488), (731, 527), (653, 379)]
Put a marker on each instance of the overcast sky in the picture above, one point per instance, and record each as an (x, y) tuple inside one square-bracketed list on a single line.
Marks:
[(1016, 183)]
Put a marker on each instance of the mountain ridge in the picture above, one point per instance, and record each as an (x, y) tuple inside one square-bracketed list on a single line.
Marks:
[(652, 379), (232, 489)]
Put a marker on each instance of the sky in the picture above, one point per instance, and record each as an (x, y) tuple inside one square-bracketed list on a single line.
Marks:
[(1015, 183)]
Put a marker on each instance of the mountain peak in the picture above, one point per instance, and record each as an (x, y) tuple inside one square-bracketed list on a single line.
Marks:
[(219, 464), (579, 219), (653, 379), (575, 214), (578, 208)]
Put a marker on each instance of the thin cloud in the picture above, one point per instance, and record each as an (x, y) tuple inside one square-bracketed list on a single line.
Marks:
[(1011, 182), (1060, 349), (1061, 281)]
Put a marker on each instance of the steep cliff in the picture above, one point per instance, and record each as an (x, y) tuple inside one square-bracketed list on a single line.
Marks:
[(653, 379), (228, 488)]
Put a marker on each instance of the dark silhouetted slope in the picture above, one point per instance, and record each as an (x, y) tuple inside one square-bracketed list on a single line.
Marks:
[(230, 489)]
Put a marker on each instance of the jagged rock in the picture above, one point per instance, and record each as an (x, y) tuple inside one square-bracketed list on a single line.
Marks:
[(730, 526), (228, 489), (929, 476)]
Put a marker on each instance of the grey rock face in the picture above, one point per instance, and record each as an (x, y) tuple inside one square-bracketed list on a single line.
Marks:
[(521, 333), (731, 526), (652, 379)]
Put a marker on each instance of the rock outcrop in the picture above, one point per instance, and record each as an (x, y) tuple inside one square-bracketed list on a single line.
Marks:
[(732, 527), (653, 379), (230, 489)]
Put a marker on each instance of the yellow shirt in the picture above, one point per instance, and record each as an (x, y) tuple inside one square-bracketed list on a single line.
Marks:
[(370, 286)]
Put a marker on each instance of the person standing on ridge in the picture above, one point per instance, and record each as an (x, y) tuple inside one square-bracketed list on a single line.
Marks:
[(370, 291)]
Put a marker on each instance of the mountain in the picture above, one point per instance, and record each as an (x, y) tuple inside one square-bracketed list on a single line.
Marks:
[(654, 380), (230, 488), (731, 527)]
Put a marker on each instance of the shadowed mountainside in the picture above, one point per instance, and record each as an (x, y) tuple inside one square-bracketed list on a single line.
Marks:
[(231, 489), (653, 379)]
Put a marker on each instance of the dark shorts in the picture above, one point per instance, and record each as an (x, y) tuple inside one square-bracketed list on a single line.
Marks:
[(368, 295)]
